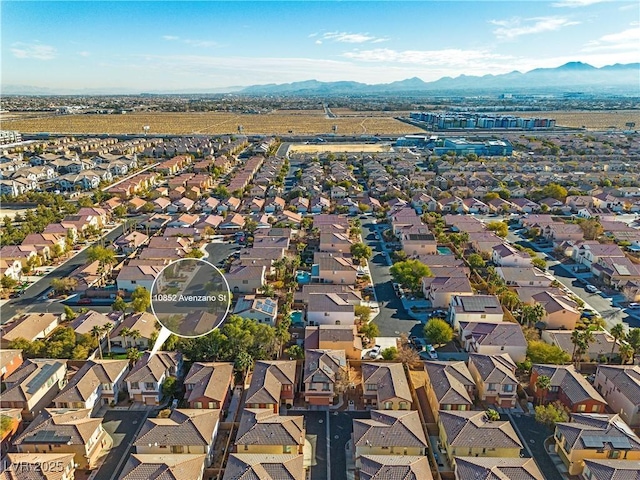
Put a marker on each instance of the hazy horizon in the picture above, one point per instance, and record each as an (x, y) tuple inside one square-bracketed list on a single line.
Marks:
[(209, 46)]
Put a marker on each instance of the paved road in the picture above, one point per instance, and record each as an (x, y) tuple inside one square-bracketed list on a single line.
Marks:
[(534, 434), (392, 319), (30, 300), (340, 428), (122, 426), (315, 424)]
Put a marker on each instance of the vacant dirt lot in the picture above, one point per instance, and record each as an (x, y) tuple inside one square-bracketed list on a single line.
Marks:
[(339, 148), (277, 123), (592, 120)]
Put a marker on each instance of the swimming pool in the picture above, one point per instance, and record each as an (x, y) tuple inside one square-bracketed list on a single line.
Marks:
[(444, 251), (303, 277), (297, 317)]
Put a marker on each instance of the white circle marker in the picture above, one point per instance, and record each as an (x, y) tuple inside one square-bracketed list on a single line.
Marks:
[(190, 298)]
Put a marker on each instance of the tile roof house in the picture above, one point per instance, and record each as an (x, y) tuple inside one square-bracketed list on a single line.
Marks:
[(29, 466), (471, 433), (449, 386), (208, 385), (337, 337), (144, 381), (10, 360), (330, 268), (97, 383), (524, 277), (262, 310), (595, 437), (505, 255), (162, 466), (610, 470), (620, 386), (66, 431), (494, 338), (495, 376), (258, 466), (31, 326), (389, 432), (261, 430), (132, 276), (476, 308), (571, 388), (144, 323), (561, 311), (439, 290), (33, 385), (330, 309), (601, 346), (409, 467), (322, 370), (385, 386), (497, 468), (191, 431), (245, 279), (273, 383)]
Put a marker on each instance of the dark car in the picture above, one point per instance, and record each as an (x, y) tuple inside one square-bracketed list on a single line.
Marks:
[(85, 301)]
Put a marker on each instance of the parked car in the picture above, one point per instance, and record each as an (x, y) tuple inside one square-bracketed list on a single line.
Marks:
[(85, 301), (634, 305), (375, 351), (591, 289), (432, 352)]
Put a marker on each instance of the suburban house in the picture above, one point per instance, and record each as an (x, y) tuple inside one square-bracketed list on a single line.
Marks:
[(601, 347), (415, 244), (257, 465), (333, 269), (561, 311), (262, 430), (273, 383), (330, 309), (608, 469), (33, 386), (31, 326), (97, 383), (143, 324), (494, 339), (389, 432), (620, 386), (476, 308), (570, 388), (505, 255), (524, 277), (409, 467), (10, 360), (66, 431), (385, 386), (471, 434), (335, 242), (449, 386), (245, 279), (497, 468), (589, 252), (176, 467), (262, 310), (322, 370), (208, 385), (185, 431), (337, 337), (144, 381), (132, 276), (495, 377), (595, 437), (440, 290), (21, 463)]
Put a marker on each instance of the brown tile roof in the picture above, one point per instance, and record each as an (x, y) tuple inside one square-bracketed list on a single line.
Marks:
[(497, 468), (492, 334), (495, 368), (261, 426), (183, 427), (613, 469), (394, 467), (390, 379), (326, 363), (60, 426), (596, 431), (329, 302), (163, 467), (473, 429), (145, 323), (267, 380), (208, 379), (261, 466), (572, 384), (29, 377), (389, 428), (29, 466), (450, 381), (28, 326), (625, 378), (151, 368), (89, 378)]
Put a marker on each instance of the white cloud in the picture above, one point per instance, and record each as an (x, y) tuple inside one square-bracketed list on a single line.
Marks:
[(515, 27), (318, 42), (344, 37), (84, 54), (311, 35), (170, 38), (189, 41), (577, 3), (33, 50), (446, 57), (625, 40)]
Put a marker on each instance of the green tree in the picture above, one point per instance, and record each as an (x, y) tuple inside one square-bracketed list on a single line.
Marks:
[(532, 314), (618, 333), (170, 387), (8, 282), (509, 300), (499, 228), (133, 354), (6, 424), (389, 353), (63, 285), (140, 299), (541, 352), (69, 313), (295, 352), (438, 332), (543, 384), (105, 256), (410, 273), (194, 253), (119, 305), (97, 333), (360, 251), (370, 330), (362, 313), (540, 263), (476, 262), (633, 339), (551, 413), (243, 363), (492, 415)]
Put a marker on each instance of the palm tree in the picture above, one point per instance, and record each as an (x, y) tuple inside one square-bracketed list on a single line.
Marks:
[(617, 332), (626, 352), (575, 339), (134, 334), (124, 333), (586, 337), (106, 328), (97, 332), (492, 415), (543, 384), (133, 354)]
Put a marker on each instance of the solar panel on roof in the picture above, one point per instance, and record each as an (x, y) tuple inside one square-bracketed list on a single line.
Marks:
[(592, 441), (619, 442), (41, 377), (47, 436), (476, 304)]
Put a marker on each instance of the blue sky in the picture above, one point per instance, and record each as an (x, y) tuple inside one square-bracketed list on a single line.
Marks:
[(162, 45)]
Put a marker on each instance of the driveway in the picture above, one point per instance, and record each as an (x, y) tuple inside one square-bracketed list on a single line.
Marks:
[(122, 426), (533, 434), (393, 318), (316, 426), (341, 426)]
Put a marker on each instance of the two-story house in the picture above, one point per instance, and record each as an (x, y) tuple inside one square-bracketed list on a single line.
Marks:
[(322, 370), (476, 308), (336, 337), (175, 467), (495, 377), (497, 468), (262, 430), (440, 290), (256, 465), (620, 386), (144, 381), (494, 338), (385, 386), (273, 383), (449, 386), (208, 385)]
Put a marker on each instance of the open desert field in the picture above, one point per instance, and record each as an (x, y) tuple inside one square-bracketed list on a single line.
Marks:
[(593, 120), (339, 148), (278, 123)]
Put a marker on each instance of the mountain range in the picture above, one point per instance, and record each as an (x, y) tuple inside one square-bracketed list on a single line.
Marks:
[(570, 77)]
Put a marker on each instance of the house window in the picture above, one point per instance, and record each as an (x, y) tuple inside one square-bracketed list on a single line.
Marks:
[(582, 408), (403, 405), (491, 387), (197, 404), (595, 408), (483, 316), (246, 447), (388, 405), (507, 388), (212, 405), (371, 387), (177, 449), (287, 449), (135, 386), (614, 454), (149, 385), (134, 282), (245, 282)]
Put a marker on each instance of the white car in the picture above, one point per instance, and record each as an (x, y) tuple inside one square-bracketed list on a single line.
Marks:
[(591, 289), (634, 305), (432, 352), (375, 351)]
